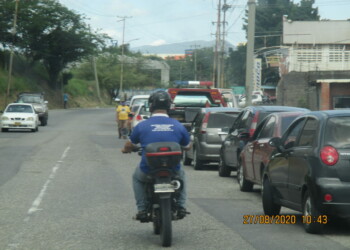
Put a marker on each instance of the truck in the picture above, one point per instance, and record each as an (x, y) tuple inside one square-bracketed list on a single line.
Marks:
[(189, 96)]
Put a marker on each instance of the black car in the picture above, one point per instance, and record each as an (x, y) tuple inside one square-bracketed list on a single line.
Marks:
[(206, 134), (310, 169), (246, 122)]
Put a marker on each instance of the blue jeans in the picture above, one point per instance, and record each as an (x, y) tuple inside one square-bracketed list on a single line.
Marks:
[(139, 180)]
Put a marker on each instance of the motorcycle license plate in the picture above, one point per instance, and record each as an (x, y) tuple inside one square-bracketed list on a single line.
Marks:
[(163, 188)]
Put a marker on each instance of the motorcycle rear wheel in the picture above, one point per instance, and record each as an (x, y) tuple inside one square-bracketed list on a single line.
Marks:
[(165, 223), (156, 221)]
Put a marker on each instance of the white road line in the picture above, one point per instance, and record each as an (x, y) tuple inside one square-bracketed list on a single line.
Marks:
[(38, 200)]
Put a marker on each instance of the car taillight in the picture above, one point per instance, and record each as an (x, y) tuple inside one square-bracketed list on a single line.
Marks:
[(254, 124), (205, 123), (329, 155), (139, 118)]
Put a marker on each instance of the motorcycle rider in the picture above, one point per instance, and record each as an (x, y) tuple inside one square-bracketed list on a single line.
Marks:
[(159, 127)]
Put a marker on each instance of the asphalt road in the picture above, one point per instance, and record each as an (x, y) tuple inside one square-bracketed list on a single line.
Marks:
[(68, 186)]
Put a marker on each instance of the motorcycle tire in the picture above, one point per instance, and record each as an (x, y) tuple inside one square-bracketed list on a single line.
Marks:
[(165, 223), (156, 221)]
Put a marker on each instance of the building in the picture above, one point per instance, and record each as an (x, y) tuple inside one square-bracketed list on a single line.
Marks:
[(315, 70)]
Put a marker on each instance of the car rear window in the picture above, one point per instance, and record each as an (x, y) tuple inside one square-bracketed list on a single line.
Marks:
[(338, 132), (145, 111), (139, 101), (191, 99), (221, 120)]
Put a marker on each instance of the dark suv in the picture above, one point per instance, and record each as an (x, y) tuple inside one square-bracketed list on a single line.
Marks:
[(39, 103), (309, 171), (206, 134), (237, 137)]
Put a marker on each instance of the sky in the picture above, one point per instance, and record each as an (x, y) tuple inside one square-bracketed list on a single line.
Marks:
[(157, 22)]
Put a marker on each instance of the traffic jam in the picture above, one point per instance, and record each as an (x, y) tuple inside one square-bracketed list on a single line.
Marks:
[(298, 157)]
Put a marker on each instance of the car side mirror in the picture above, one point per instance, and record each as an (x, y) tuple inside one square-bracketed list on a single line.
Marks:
[(276, 142)]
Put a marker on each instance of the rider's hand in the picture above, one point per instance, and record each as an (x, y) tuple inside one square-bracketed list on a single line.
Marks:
[(125, 151)]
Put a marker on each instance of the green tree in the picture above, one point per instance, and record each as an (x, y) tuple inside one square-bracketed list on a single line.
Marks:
[(48, 32)]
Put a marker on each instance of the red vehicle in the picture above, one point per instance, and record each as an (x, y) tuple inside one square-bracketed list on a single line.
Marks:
[(188, 97), (256, 154)]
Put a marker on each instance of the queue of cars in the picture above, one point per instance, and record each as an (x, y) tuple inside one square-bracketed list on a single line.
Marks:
[(300, 158)]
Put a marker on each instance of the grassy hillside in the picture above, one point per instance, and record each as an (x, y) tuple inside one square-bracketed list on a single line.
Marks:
[(82, 93)]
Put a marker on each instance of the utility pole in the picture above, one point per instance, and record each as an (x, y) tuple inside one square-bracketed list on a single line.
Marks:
[(122, 56), (95, 74), (11, 53), (250, 52), (195, 60), (225, 7), (216, 65)]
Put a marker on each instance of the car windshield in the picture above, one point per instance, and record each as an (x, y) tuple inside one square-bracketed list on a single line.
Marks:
[(139, 101), (30, 99), (221, 120), (193, 101), (19, 109), (338, 132)]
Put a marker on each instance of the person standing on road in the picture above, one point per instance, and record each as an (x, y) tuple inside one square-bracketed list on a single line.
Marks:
[(65, 100), (158, 128), (122, 118)]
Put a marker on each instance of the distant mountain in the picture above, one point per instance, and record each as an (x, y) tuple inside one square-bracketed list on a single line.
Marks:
[(176, 48)]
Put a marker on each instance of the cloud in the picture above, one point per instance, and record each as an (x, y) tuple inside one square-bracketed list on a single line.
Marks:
[(158, 42)]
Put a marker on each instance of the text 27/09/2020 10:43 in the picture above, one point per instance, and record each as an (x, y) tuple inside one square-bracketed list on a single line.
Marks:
[(283, 219)]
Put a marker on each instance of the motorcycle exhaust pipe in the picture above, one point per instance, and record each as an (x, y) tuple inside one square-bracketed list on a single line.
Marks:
[(176, 184)]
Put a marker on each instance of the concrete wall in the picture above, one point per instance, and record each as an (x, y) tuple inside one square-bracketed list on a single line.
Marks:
[(301, 89)]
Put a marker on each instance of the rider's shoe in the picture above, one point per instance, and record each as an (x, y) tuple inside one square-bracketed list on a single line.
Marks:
[(181, 213), (141, 216)]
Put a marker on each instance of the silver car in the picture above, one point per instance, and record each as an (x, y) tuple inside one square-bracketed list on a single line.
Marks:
[(206, 135)]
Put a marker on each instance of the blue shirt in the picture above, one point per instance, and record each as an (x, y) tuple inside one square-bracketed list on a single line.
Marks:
[(158, 128)]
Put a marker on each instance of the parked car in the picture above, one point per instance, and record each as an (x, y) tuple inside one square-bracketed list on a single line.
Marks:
[(206, 133), (138, 99), (19, 116), (256, 100), (246, 122), (256, 153), (39, 104), (142, 113), (309, 172)]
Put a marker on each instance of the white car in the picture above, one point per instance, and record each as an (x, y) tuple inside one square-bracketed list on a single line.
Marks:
[(141, 114), (138, 99), (19, 116), (256, 100)]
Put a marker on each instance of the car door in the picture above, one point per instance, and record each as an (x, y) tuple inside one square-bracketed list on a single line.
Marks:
[(261, 149), (300, 159), (226, 145), (279, 163), (248, 152), (194, 132)]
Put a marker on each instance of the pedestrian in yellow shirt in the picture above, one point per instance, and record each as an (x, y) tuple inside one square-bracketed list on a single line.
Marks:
[(122, 118)]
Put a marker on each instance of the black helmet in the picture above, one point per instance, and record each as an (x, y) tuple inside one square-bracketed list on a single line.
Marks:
[(159, 100)]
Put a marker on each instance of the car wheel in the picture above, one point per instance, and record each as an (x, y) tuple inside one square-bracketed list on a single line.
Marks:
[(270, 207), (197, 164), (244, 184), (43, 121), (224, 171), (310, 211), (185, 159)]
